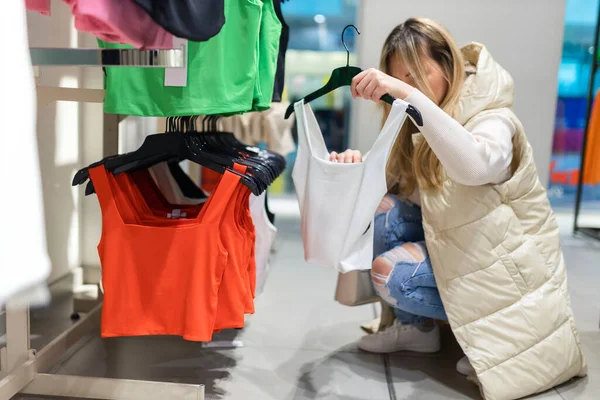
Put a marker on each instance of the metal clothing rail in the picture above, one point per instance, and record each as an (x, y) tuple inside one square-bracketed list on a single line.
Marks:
[(171, 58), (22, 369)]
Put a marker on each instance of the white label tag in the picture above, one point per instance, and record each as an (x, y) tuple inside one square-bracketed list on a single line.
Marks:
[(177, 214), (177, 76)]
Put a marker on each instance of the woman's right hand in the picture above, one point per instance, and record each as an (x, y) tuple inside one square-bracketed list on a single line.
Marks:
[(348, 157)]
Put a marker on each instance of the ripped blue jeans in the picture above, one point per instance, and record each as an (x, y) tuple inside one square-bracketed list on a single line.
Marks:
[(410, 285)]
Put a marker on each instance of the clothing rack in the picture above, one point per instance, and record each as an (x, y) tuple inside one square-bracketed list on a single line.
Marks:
[(25, 370), (171, 58), (592, 232)]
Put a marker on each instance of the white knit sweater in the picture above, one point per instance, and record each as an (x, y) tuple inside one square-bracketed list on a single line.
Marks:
[(477, 157)]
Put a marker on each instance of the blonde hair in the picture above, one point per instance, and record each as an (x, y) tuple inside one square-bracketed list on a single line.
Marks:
[(412, 166)]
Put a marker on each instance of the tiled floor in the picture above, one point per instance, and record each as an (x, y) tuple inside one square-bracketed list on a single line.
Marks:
[(301, 344)]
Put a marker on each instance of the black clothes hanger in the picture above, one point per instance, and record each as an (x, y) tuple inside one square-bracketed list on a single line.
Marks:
[(174, 143), (172, 146), (225, 142), (343, 77), (83, 175), (157, 148), (183, 181), (180, 177), (215, 150)]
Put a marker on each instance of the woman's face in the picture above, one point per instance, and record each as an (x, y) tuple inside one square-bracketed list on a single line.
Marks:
[(433, 72)]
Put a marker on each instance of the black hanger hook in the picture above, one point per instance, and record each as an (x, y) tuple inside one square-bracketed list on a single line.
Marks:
[(344, 42)]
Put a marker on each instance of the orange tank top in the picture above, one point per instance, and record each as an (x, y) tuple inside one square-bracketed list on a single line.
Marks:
[(161, 276), (232, 307), (238, 238), (236, 293)]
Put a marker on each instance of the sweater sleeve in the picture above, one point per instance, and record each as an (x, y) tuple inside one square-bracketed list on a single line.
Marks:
[(477, 157)]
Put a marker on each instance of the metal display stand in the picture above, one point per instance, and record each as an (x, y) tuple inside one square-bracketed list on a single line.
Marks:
[(22, 369), (592, 232)]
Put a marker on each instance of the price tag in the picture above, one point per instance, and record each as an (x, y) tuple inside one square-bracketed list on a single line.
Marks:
[(177, 76)]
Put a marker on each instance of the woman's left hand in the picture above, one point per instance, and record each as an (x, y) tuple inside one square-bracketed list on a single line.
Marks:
[(372, 84)]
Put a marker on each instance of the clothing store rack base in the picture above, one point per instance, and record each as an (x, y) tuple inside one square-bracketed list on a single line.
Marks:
[(25, 370)]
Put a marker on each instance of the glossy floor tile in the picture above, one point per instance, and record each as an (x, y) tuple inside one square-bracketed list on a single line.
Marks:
[(583, 389), (303, 374), (302, 345)]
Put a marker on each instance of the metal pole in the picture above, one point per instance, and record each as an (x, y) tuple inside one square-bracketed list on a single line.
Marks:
[(590, 100)]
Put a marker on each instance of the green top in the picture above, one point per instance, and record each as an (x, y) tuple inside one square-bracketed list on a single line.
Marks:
[(231, 73)]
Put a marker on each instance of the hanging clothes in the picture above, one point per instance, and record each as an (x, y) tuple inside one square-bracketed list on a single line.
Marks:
[(283, 45), (337, 232), (41, 6), (162, 276), (265, 231), (267, 127), (169, 186), (278, 130), (119, 21), (24, 261), (229, 74), (265, 239), (236, 291), (237, 288), (591, 168), (148, 198), (181, 17)]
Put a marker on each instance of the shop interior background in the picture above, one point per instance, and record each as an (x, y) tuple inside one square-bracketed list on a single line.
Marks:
[(573, 80), (315, 49)]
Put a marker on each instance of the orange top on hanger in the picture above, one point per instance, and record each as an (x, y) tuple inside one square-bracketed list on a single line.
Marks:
[(161, 279), (236, 293), (236, 279)]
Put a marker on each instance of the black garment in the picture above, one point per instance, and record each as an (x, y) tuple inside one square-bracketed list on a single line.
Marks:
[(270, 215), (283, 44), (196, 20), (187, 186)]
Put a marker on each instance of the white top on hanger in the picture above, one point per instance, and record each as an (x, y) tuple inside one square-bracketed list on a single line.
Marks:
[(265, 239), (338, 201)]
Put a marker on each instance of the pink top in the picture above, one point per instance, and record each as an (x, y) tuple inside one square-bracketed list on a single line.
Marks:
[(41, 6), (119, 21)]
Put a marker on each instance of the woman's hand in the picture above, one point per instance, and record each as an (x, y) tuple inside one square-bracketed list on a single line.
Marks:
[(348, 157), (372, 84)]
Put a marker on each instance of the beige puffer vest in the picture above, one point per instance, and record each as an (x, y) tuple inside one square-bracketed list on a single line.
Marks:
[(497, 260)]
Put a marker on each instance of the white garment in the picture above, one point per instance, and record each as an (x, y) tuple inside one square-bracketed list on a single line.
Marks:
[(472, 157), (338, 201), (265, 231), (265, 239), (168, 186), (24, 262)]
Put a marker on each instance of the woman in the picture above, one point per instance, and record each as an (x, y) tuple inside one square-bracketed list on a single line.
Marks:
[(466, 233)]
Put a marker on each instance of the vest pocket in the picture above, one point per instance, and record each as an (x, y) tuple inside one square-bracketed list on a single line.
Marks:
[(512, 269)]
